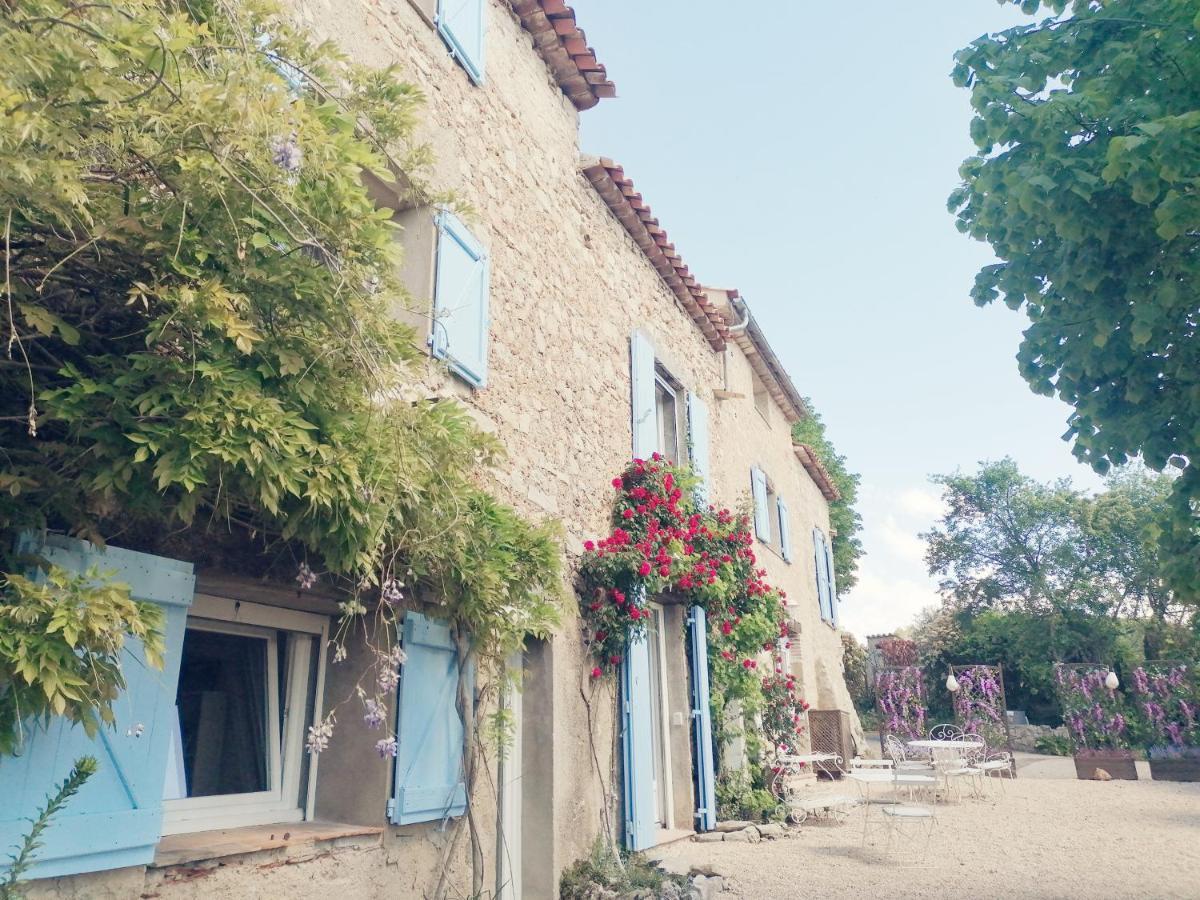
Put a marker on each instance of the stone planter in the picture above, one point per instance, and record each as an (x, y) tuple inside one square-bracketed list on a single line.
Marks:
[(1185, 768), (1117, 763)]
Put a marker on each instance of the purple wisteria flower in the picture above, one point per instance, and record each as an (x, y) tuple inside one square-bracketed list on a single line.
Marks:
[(386, 747)]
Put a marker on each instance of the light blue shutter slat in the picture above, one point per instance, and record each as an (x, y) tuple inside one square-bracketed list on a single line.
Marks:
[(831, 583), (645, 414), (461, 25), (116, 818), (460, 328), (698, 432), (706, 779), (822, 572), (429, 733), (637, 744), (762, 515), (785, 531)]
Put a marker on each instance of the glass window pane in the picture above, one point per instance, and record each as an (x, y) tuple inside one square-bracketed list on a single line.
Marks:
[(223, 713)]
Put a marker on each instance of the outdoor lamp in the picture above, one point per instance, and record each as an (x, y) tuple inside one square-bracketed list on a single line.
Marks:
[(952, 684), (1110, 680)]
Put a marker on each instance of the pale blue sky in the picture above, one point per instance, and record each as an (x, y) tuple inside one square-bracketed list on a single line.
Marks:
[(802, 152)]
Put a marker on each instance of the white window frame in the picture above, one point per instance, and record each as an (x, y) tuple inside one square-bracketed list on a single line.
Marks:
[(663, 787), (286, 742)]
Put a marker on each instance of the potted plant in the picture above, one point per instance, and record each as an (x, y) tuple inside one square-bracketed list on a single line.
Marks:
[(1167, 703), (1094, 714)]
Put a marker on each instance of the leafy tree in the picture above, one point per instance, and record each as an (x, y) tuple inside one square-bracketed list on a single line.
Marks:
[(844, 517), (1088, 129), (1008, 542), (854, 667)]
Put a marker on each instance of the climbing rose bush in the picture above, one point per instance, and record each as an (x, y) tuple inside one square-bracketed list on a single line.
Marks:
[(663, 542)]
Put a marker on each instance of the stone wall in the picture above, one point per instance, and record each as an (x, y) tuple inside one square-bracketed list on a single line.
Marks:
[(1025, 737)]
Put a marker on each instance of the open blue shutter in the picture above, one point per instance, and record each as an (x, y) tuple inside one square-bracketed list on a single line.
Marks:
[(698, 433), (116, 818), (822, 573), (831, 583), (645, 414), (460, 23), (706, 779), (785, 533), (429, 731), (762, 515), (460, 301), (637, 744)]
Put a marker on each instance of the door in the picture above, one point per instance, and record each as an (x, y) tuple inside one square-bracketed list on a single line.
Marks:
[(659, 725)]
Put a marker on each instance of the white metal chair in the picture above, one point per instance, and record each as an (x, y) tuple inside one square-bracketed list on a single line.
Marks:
[(945, 733), (920, 818), (965, 765), (866, 763)]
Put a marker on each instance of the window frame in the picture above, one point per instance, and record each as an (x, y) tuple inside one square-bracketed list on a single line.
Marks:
[(286, 755), (448, 226)]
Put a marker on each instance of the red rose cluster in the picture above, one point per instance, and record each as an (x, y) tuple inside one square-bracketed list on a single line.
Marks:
[(662, 542)]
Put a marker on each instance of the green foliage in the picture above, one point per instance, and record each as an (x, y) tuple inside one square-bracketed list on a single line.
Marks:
[(1088, 129), (1009, 542), (1053, 745), (854, 667), (742, 795), (202, 331), (60, 649), (84, 768), (620, 872), (844, 517)]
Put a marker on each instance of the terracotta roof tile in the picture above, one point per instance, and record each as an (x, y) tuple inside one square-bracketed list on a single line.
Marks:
[(563, 45), (618, 192), (816, 469)]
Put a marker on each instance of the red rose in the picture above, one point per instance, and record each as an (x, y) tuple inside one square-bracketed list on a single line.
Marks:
[(644, 569), (635, 613), (596, 673), (601, 635), (664, 571), (726, 627), (615, 660), (589, 546), (628, 514), (617, 482), (745, 663)]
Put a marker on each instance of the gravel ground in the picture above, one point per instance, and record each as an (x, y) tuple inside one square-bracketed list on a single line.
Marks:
[(1046, 835)]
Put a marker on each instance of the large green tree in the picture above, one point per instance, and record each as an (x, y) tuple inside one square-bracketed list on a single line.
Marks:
[(1009, 542), (1087, 185)]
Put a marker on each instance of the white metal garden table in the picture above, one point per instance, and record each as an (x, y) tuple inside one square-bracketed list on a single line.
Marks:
[(947, 755)]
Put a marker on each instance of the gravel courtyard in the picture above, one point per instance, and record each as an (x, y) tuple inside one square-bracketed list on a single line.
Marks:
[(1046, 836)]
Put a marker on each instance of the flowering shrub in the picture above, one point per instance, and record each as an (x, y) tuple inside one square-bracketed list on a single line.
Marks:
[(900, 696), (662, 542), (782, 726), (979, 703), (1165, 699), (898, 652), (1093, 713)]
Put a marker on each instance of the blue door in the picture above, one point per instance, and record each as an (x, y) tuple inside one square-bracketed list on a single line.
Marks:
[(637, 739), (706, 782)]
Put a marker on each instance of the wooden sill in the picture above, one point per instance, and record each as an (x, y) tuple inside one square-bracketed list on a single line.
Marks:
[(198, 846)]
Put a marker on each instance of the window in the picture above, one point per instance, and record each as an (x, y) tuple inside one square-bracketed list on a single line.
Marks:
[(826, 589), (762, 399), (785, 530), (461, 25), (460, 301), (762, 508), (669, 414), (248, 689)]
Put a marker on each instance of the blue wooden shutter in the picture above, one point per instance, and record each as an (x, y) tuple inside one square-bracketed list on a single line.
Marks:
[(429, 732), (460, 301), (831, 583), (706, 779), (116, 818), (762, 516), (637, 744), (460, 23), (645, 412), (822, 572), (698, 433), (785, 534)]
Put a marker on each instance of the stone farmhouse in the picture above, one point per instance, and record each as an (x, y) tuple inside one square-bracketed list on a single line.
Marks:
[(564, 317)]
